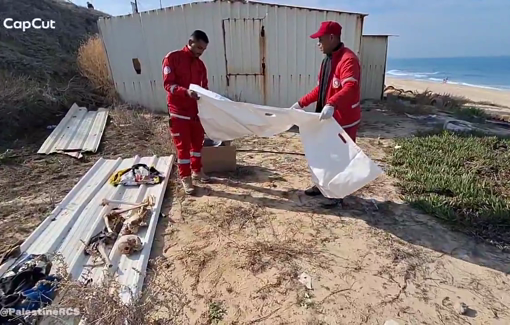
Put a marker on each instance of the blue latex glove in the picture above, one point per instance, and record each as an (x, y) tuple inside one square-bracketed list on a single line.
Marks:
[(327, 112)]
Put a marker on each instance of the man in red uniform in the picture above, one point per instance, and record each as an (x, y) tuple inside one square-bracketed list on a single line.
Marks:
[(338, 91), (180, 69)]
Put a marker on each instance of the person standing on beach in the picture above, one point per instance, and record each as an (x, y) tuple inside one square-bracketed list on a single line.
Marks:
[(338, 91), (180, 69)]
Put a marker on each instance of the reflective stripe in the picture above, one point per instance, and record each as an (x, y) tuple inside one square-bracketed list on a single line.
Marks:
[(175, 134), (183, 161), (348, 79), (196, 154), (172, 88), (180, 116), (351, 125), (355, 105)]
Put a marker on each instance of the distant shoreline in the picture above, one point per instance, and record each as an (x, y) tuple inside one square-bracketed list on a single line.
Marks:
[(439, 81), (454, 83), (475, 94)]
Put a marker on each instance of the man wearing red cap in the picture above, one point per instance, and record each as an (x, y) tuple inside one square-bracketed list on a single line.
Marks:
[(338, 91)]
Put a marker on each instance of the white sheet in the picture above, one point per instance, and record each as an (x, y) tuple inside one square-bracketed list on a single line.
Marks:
[(337, 165)]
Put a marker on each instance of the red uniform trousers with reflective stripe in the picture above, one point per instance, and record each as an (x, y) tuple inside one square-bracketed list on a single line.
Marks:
[(188, 138)]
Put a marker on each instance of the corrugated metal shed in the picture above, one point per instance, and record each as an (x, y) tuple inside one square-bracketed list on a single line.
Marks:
[(79, 131), (80, 216), (374, 49), (259, 53)]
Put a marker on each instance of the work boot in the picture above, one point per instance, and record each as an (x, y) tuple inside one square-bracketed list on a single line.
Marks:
[(187, 184), (313, 191), (201, 177)]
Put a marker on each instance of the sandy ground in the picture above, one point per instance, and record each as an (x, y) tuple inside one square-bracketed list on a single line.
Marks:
[(239, 247), (501, 98)]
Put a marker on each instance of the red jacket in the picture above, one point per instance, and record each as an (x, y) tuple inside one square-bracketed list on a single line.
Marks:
[(343, 92), (180, 69)]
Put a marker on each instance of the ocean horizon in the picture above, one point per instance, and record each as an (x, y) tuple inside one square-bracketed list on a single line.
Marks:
[(480, 72)]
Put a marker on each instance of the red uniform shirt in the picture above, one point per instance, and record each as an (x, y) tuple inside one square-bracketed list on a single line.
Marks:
[(343, 88), (180, 69)]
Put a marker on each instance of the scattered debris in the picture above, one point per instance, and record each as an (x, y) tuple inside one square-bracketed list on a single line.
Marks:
[(306, 280), (28, 286), (136, 175), (461, 308), (457, 126), (422, 117)]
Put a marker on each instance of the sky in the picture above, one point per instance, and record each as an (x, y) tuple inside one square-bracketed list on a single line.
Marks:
[(423, 28)]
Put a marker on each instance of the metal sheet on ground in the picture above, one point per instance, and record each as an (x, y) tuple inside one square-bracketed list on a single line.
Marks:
[(79, 216), (79, 131)]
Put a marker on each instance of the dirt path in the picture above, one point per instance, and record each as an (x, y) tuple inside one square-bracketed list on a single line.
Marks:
[(239, 247)]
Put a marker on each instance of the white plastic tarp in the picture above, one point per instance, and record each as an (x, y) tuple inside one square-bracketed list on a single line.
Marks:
[(338, 166)]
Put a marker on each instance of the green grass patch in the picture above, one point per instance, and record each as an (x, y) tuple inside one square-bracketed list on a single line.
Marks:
[(216, 312), (473, 114), (463, 180)]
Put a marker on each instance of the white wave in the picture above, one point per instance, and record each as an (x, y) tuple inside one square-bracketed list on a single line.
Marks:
[(479, 86), (401, 73), (466, 84)]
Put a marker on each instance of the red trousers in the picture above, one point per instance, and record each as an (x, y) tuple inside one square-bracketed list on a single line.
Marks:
[(352, 131), (188, 138)]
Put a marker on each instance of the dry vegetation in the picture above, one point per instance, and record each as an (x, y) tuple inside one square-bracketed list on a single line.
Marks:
[(93, 65), (39, 77)]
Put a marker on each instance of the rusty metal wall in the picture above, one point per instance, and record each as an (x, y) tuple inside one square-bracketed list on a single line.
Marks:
[(258, 53), (374, 50)]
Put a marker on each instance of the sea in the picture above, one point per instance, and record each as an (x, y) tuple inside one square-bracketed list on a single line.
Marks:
[(481, 72)]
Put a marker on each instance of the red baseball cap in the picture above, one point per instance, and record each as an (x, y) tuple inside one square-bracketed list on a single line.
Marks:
[(328, 28)]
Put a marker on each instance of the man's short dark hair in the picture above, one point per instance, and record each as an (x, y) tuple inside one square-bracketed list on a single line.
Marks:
[(199, 35)]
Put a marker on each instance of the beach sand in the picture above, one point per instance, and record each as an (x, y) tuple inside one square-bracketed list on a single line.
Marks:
[(500, 98)]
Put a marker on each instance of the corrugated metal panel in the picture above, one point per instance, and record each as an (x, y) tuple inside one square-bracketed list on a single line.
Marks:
[(292, 59), (79, 131), (80, 216), (374, 50)]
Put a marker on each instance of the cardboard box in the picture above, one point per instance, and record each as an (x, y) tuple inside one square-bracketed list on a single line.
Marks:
[(219, 159)]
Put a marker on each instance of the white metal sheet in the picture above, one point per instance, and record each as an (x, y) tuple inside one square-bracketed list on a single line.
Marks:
[(80, 216), (292, 59), (79, 131), (374, 50)]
